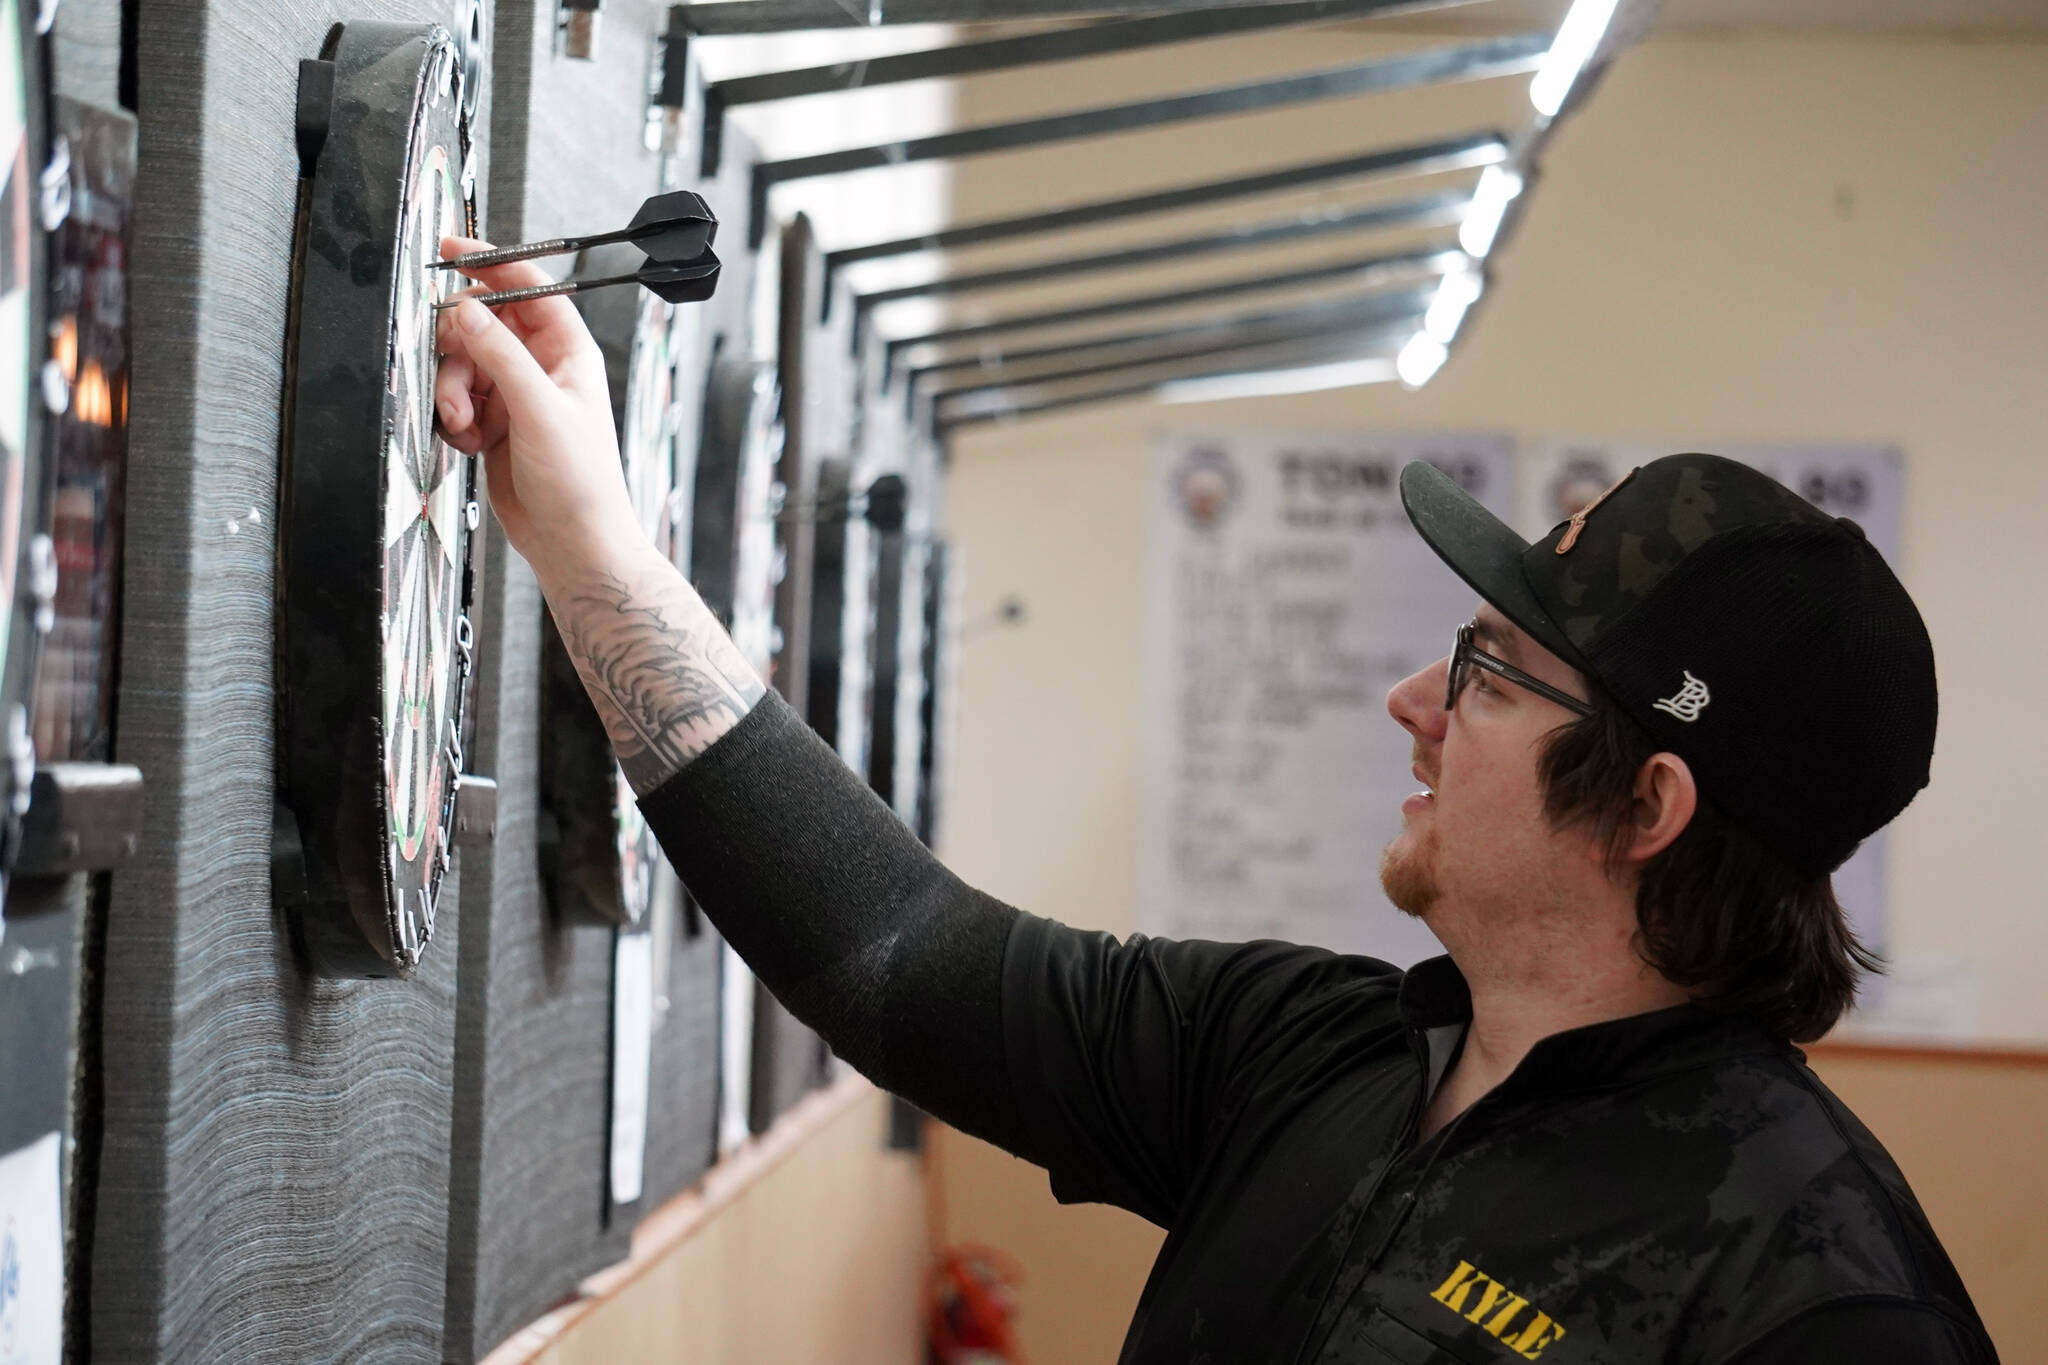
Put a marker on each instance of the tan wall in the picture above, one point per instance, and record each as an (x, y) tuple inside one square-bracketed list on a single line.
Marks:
[(1747, 237), (812, 1250)]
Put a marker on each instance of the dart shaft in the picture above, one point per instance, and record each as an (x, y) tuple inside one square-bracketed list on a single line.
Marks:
[(539, 291), (476, 260)]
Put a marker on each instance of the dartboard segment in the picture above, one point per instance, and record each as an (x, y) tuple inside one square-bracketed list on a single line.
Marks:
[(379, 512)]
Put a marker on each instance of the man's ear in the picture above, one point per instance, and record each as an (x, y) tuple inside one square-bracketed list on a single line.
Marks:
[(1665, 799)]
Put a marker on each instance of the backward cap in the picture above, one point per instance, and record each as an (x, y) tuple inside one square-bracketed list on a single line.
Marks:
[(1761, 640)]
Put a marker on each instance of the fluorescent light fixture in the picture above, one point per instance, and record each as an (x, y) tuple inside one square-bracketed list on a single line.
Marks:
[(1496, 189), (1420, 359), (1343, 374), (1456, 293), (1578, 37)]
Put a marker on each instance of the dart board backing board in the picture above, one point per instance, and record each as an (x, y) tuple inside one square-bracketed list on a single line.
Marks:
[(887, 673), (597, 853), (941, 691), (378, 512)]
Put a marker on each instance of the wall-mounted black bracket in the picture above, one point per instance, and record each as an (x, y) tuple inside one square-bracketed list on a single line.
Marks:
[(1309, 319), (1363, 271), (1293, 354), (728, 17), (1423, 211), (668, 86), (1468, 61), (1424, 158), (82, 817), (1031, 49), (1395, 315)]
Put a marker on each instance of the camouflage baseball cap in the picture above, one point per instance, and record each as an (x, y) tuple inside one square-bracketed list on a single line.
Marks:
[(1764, 642)]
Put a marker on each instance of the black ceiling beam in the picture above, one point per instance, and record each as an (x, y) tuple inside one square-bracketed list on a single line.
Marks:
[(1358, 269), (1467, 61), (1422, 158), (1058, 45), (1422, 211), (1252, 360), (728, 17), (1389, 303), (1233, 333)]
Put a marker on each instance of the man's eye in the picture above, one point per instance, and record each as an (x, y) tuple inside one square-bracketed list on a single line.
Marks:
[(1481, 680)]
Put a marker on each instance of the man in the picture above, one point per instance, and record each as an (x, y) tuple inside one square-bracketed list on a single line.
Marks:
[(1582, 1136)]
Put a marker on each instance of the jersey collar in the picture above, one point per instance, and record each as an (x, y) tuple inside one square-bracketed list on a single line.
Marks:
[(1617, 1051)]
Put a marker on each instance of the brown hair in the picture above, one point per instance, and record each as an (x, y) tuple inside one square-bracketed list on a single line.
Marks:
[(1715, 910)]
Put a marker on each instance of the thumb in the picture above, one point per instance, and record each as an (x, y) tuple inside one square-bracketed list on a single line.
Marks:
[(503, 359)]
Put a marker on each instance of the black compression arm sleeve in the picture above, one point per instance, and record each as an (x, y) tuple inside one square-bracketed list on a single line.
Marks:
[(845, 916)]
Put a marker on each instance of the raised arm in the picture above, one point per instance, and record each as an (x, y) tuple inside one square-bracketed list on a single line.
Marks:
[(527, 392), (834, 904)]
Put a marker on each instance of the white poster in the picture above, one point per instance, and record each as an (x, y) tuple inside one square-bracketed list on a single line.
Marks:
[(632, 1060), (1285, 594), (1561, 474), (31, 1255)]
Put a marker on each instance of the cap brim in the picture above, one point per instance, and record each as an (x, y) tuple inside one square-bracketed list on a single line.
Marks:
[(1483, 551)]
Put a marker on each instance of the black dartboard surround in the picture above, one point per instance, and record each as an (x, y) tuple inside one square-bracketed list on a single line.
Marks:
[(735, 560), (597, 853), (33, 201), (941, 686), (378, 512)]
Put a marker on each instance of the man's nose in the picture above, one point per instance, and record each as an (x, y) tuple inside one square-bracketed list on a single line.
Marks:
[(1417, 702)]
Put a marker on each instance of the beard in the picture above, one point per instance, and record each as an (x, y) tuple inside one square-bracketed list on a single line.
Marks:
[(1408, 872)]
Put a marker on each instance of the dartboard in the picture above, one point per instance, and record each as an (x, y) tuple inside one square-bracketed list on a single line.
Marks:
[(379, 511), (735, 560), (31, 204), (600, 856)]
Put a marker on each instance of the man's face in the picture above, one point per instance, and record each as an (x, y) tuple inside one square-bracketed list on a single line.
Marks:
[(1476, 844)]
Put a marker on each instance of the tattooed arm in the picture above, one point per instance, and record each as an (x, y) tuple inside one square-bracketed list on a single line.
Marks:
[(829, 898), (526, 390), (667, 680)]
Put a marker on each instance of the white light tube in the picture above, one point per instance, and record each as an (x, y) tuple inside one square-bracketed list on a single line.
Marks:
[(1456, 293), (1420, 359), (1496, 189), (1343, 374), (1577, 39)]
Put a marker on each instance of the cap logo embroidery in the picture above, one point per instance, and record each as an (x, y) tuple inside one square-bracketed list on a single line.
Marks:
[(1690, 701), (1571, 535)]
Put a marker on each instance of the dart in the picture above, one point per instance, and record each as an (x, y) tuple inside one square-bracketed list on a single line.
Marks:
[(675, 230), (689, 282)]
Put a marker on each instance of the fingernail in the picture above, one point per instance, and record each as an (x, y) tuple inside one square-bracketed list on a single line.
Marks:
[(447, 408), (472, 315)]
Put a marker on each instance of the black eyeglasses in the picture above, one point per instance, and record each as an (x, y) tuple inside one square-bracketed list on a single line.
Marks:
[(1466, 655)]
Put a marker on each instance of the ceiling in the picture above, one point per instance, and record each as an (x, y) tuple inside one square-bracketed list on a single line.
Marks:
[(1962, 18)]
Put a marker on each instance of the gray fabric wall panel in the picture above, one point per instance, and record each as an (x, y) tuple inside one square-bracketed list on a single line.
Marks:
[(527, 1215), (274, 1166), (682, 1098), (683, 1119)]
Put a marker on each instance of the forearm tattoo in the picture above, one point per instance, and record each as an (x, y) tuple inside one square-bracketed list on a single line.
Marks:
[(666, 679)]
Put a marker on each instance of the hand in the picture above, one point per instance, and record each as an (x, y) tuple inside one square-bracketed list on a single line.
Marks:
[(525, 388)]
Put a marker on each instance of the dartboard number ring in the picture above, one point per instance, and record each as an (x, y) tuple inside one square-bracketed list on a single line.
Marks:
[(376, 536)]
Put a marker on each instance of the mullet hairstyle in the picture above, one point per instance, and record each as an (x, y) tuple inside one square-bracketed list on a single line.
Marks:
[(1716, 911)]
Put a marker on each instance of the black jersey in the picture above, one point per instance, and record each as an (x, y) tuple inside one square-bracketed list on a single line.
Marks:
[(1675, 1188)]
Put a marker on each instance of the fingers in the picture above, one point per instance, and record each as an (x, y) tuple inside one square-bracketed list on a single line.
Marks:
[(537, 314), (452, 390), (484, 434), (504, 361)]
